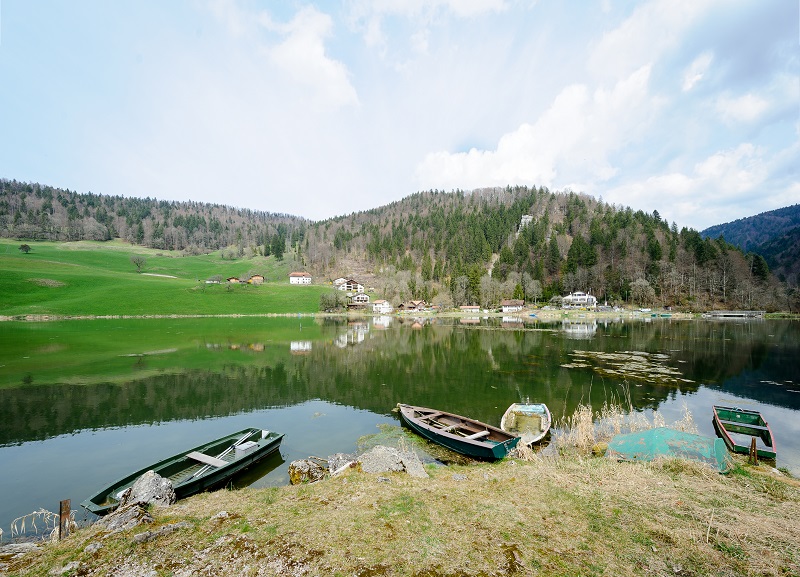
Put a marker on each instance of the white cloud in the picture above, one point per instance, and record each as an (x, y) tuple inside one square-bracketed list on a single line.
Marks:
[(570, 143), (641, 39), (746, 108), (711, 193), (696, 70), (302, 55)]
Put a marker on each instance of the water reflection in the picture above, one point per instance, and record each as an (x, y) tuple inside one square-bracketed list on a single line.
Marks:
[(62, 380)]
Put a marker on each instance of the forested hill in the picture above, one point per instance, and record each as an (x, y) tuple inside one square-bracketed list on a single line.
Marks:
[(537, 244), (39, 212), (774, 235), (450, 248)]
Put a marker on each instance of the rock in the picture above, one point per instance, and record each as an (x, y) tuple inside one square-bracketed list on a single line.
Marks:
[(124, 518), (305, 471), (459, 477), (340, 460), (93, 548), (68, 568), (382, 459), (17, 549), (384, 480), (151, 489), (150, 535)]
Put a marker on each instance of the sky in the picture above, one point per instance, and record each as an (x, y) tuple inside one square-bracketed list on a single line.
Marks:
[(319, 109)]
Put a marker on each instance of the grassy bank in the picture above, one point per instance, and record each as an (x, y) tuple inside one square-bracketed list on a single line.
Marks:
[(98, 279), (570, 515)]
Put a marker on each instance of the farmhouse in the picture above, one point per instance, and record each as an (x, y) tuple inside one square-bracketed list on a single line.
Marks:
[(469, 308), (256, 279), (412, 306), (299, 278), (233, 279), (512, 305)]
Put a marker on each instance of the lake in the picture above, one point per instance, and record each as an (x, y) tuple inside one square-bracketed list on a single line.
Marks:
[(85, 402)]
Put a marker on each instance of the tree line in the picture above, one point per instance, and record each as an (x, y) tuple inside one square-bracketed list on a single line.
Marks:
[(38, 212)]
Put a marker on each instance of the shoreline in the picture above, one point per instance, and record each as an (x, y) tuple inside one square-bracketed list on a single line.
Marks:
[(521, 316)]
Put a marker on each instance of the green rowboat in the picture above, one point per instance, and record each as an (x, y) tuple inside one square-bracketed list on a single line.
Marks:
[(196, 470), (738, 427), (460, 434)]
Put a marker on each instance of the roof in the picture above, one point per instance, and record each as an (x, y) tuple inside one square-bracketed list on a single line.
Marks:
[(299, 274), (512, 303)]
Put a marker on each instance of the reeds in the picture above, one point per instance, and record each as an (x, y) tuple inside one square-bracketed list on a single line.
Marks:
[(585, 428)]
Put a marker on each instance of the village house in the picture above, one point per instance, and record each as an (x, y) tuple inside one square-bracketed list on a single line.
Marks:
[(256, 279), (382, 307), (299, 278), (351, 286), (339, 281), (233, 279), (469, 308), (579, 299), (511, 305), (412, 306), (358, 300)]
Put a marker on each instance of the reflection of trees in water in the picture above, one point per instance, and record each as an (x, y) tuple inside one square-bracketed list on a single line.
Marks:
[(476, 371)]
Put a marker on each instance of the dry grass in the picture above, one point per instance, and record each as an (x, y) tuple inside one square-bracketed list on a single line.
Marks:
[(555, 516)]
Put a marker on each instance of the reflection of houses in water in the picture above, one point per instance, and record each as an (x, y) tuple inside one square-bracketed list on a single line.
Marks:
[(355, 334), (470, 321), (579, 329), (300, 347), (513, 322), (382, 322)]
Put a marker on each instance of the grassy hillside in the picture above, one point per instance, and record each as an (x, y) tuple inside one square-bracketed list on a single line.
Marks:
[(98, 278)]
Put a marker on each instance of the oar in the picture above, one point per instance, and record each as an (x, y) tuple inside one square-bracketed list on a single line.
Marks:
[(204, 468)]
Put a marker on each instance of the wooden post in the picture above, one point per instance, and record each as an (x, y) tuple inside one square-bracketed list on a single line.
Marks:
[(63, 519), (753, 453)]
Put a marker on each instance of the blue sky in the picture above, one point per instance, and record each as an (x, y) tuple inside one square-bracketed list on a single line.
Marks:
[(691, 108)]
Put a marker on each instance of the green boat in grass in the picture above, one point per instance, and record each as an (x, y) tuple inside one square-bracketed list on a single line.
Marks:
[(460, 434), (738, 427), (195, 470)]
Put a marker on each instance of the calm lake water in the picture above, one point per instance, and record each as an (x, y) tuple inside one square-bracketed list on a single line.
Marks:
[(84, 402)]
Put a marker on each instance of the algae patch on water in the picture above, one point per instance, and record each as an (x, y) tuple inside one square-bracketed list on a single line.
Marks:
[(631, 365)]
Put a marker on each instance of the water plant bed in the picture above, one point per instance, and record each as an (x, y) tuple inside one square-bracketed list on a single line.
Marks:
[(632, 365)]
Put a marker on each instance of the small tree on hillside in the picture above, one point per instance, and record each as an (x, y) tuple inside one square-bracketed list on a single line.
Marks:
[(25, 248), (139, 262)]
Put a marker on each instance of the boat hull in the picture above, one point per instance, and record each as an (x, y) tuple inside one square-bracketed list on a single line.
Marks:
[(738, 426), (190, 476), (529, 421), (494, 444)]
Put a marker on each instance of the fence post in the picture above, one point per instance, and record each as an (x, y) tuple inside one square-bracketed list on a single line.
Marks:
[(753, 452), (63, 519)]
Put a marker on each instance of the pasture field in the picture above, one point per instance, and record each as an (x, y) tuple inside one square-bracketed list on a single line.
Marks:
[(99, 279)]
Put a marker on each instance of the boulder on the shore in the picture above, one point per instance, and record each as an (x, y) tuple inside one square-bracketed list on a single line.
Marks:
[(126, 517), (149, 489), (305, 471), (381, 459)]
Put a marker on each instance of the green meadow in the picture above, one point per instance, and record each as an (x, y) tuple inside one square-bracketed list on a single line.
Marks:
[(98, 279)]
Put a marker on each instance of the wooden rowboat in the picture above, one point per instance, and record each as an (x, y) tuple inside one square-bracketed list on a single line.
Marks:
[(196, 470), (460, 434), (529, 421), (738, 427)]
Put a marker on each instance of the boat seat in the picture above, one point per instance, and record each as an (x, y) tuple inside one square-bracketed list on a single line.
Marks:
[(213, 461), (431, 416), (449, 429), (477, 435), (740, 424)]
